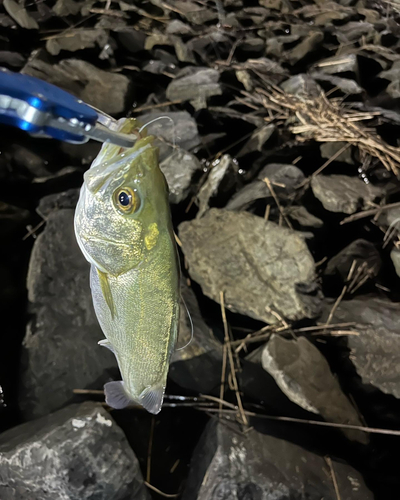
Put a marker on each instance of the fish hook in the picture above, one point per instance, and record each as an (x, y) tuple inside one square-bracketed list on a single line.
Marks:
[(165, 117)]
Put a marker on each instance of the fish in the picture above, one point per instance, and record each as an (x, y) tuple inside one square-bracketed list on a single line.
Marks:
[(124, 229)]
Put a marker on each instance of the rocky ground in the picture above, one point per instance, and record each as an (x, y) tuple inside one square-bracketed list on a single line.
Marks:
[(283, 161)]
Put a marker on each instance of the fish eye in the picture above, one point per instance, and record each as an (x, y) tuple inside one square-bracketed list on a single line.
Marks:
[(127, 200)]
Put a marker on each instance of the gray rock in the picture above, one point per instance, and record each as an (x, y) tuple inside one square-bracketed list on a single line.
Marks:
[(301, 85), (284, 179), (34, 163), (183, 51), (393, 75), (67, 7), (51, 202), (353, 31), (257, 140), (389, 217), (341, 193), (180, 130), (395, 256), (360, 251), (179, 169), (256, 263), (230, 465), (304, 375), (223, 170), (20, 15), (104, 90), (301, 215), (177, 27), (346, 85), (60, 351), (78, 453), (198, 366), (195, 85), (82, 39), (328, 149), (342, 63), (305, 47), (375, 353)]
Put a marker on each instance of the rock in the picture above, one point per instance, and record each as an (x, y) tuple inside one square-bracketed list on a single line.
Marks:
[(393, 75), (395, 256), (347, 63), (34, 163), (64, 8), (257, 264), (301, 85), (284, 178), (303, 217), (177, 27), (328, 149), (375, 353), (390, 217), (12, 218), (20, 15), (60, 351), (222, 172), (132, 40), (104, 90), (12, 58), (179, 169), (304, 375), (346, 85), (229, 465), (341, 193), (180, 130), (360, 251), (77, 453), (198, 366), (352, 31), (183, 51), (257, 140), (195, 85), (51, 202), (305, 47), (82, 39)]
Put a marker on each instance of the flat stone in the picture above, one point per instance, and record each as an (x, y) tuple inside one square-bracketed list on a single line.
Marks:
[(393, 75), (197, 366), (60, 351), (77, 453), (82, 39), (104, 90), (67, 7), (257, 264), (230, 465), (304, 375), (346, 85), (305, 47), (341, 193), (301, 85), (257, 140), (343, 63), (304, 218), (375, 353), (179, 169), (195, 85), (328, 149), (395, 256), (20, 15)]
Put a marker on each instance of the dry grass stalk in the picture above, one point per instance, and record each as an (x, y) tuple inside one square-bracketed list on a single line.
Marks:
[(327, 120)]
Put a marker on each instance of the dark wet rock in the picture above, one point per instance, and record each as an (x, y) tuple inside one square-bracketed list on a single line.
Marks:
[(303, 217), (257, 264), (359, 251), (395, 256), (195, 85), (375, 353), (222, 174), (227, 465), (58, 201), (341, 193), (328, 149), (284, 178), (60, 351), (198, 366), (179, 169), (20, 15), (82, 39), (304, 375), (104, 90), (78, 453), (11, 218), (132, 40), (257, 140), (301, 85), (32, 162), (181, 129)]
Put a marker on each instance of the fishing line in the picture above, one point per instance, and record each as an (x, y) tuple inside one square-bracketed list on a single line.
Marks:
[(191, 326), (162, 118)]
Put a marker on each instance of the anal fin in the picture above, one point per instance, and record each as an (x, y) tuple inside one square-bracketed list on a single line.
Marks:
[(116, 396), (152, 398)]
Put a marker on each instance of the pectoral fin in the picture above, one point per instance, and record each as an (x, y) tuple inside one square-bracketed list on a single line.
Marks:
[(116, 396), (106, 291), (152, 398)]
